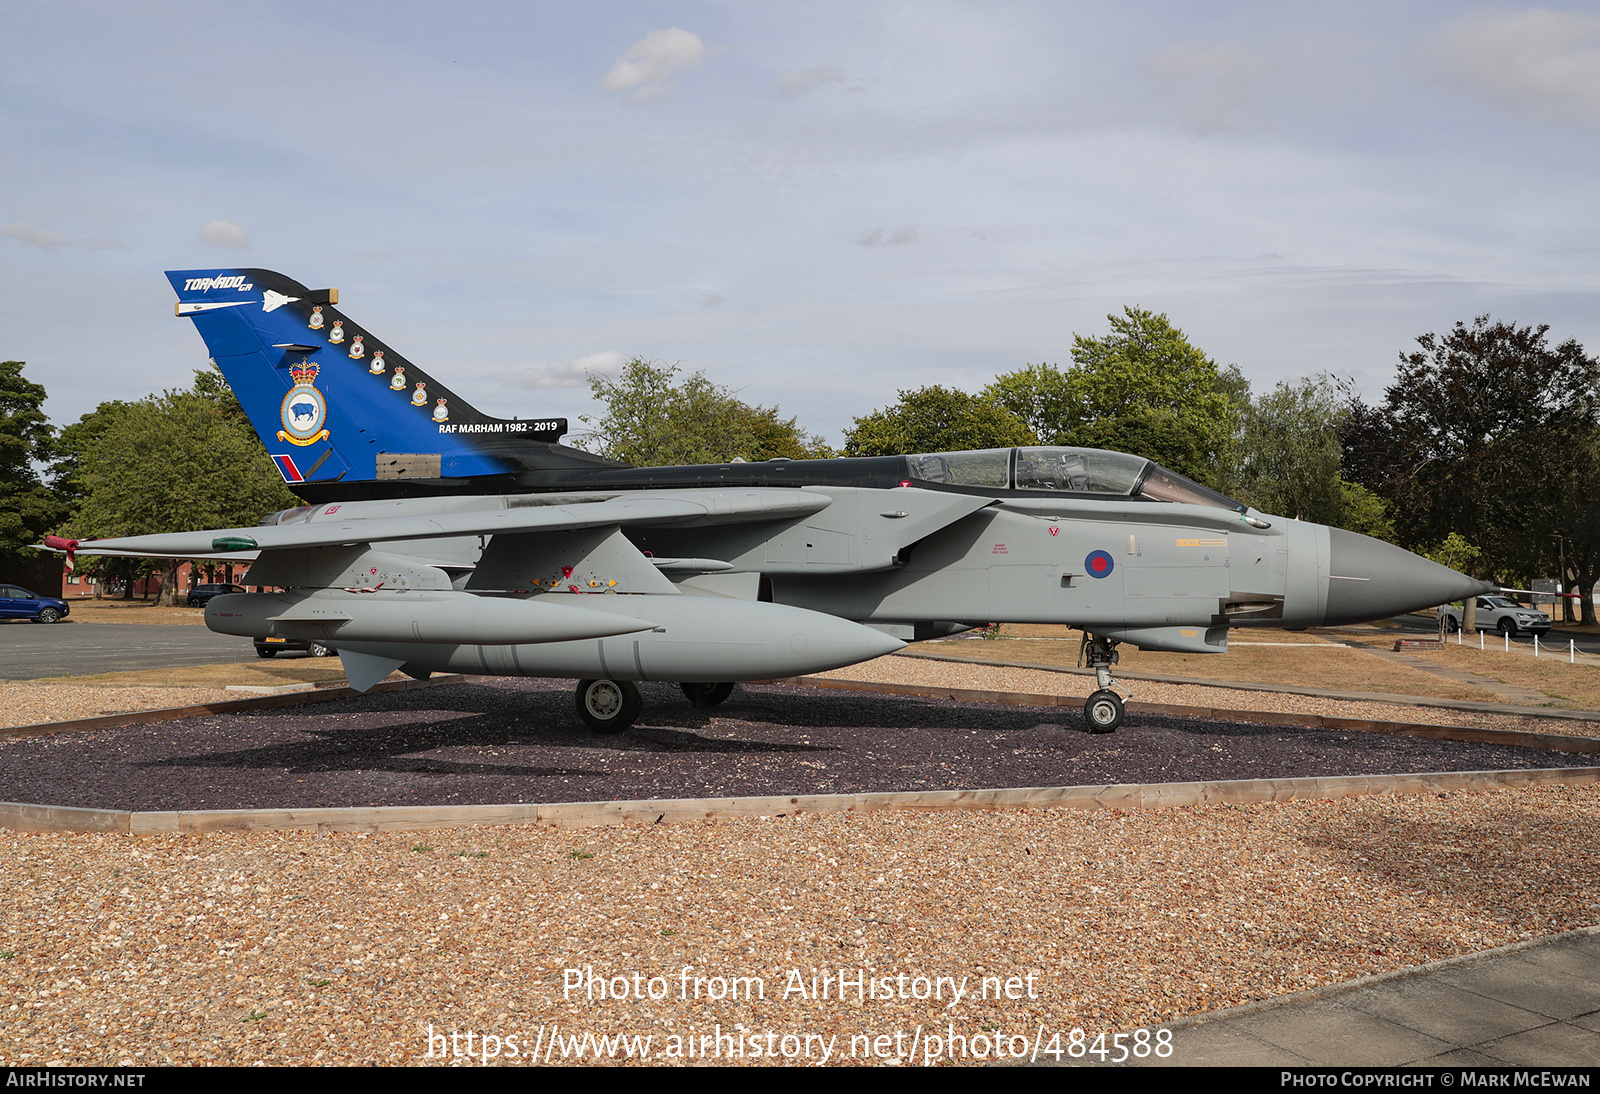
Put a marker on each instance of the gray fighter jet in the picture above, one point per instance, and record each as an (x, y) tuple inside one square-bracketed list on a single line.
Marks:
[(709, 575)]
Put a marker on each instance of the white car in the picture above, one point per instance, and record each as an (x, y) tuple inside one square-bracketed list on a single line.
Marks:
[(1503, 614)]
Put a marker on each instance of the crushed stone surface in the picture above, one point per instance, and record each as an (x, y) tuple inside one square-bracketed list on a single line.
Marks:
[(505, 741), (303, 948), (733, 941)]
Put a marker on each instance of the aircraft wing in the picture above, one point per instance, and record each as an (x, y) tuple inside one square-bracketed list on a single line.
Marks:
[(679, 508)]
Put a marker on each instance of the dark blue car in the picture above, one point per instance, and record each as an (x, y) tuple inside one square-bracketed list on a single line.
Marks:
[(18, 603), (201, 595)]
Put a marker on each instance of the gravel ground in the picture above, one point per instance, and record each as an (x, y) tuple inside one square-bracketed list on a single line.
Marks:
[(520, 741), (26, 704), (300, 948), (240, 948)]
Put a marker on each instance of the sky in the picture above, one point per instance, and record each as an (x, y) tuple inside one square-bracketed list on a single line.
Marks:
[(819, 204)]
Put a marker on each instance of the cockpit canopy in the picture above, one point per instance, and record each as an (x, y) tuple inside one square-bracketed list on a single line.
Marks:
[(1089, 472)]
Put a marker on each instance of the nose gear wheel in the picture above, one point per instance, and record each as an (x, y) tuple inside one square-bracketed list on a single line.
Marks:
[(1104, 711)]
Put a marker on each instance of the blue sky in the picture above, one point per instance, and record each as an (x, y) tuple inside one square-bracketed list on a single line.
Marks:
[(817, 204)]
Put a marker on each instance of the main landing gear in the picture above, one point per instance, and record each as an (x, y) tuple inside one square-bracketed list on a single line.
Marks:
[(611, 706), (1104, 711), (608, 706), (706, 695)]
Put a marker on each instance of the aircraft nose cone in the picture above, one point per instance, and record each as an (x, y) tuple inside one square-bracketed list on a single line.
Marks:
[(1369, 579)]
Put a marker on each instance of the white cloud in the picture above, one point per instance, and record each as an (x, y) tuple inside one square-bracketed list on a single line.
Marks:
[(30, 233), (802, 80), (642, 72), (572, 374), (26, 231), (878, 237), (225, 234), (1543, 64), (1213, 84)]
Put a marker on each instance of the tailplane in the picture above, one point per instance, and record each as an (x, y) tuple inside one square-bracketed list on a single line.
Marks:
[(335, 404)]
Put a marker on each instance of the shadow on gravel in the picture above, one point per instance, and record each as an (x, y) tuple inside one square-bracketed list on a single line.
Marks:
[(521, 741), (388, 748)]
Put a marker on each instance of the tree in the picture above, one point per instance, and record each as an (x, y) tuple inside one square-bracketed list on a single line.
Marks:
[(1361, 510), (1288, 456), (936, 419), (1490, 432), (1456, 553), (66, 475), (1368, 446), (28, 508), (1578, 506), (1143, 388), (178, 460), (650, 421), (1042, 396)]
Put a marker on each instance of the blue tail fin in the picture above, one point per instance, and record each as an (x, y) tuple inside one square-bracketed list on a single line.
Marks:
[(331, 401)]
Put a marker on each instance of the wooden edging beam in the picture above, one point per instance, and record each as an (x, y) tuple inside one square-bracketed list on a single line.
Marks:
[(23, 817)]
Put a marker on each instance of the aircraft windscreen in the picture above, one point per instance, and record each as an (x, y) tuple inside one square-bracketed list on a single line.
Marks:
[(1079, 470), (1164, 485)]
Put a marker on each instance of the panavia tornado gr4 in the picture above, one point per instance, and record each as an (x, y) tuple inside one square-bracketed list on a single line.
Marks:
[(437, 538)]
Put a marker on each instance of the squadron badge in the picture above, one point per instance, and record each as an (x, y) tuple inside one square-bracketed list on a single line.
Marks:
[(304, 411), (377, 366), (419, 397), (336, 335), (316, 318), (441, 413), (397, 382), (357, 350)]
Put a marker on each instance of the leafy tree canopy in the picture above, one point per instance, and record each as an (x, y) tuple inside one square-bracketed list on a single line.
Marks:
[(1144, 388), (28, 508), (25, 433), (1363, 511), (67, 471), (652, 420), (1489, 432), (936, 419), (1453, 551), (1288, 456), (174, 461)]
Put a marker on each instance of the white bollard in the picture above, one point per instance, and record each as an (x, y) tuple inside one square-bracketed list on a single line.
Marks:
[(1480, 640), (1508, 643), (1536, 645), (1572, 652)]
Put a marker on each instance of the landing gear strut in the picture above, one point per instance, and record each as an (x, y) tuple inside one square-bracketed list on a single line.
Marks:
[(608, 706), (1104, 711), (706, 695)]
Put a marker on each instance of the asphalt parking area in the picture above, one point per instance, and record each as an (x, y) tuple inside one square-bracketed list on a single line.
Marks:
[(518, 740)]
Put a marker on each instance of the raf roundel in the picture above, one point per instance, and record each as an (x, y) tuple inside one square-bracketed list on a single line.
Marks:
[(1099, 564)]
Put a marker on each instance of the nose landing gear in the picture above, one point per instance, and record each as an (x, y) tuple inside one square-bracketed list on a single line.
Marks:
[(1104, 711)]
